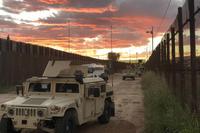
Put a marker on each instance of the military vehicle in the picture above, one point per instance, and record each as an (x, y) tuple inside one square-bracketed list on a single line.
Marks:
[(95, 70), (58, 102), (139, 71), (130, 74)]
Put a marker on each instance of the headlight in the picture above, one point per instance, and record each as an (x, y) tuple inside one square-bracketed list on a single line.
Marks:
[(40, 113), (11, 112), (55, 109), (3, 107)]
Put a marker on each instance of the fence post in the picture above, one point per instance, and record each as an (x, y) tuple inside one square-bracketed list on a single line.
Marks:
[(168, 57), (164, 56), (193, 56), (158, 57), (1, 62), (173, 59), (181, 52)]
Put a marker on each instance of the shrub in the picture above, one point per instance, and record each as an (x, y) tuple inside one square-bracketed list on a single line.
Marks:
[(163, 113)]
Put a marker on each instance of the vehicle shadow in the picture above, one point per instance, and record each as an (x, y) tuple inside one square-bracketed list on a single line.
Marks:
[(114, 126)]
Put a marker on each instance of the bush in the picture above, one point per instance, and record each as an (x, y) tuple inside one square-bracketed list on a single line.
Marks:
[(163, 113)]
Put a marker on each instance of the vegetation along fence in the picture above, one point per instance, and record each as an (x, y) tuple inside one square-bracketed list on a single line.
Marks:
[(19, 61), (178, 55)]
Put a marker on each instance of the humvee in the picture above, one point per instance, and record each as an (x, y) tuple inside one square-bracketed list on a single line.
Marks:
[(95, 70), (58, 102), (140, 70), (129, 74)]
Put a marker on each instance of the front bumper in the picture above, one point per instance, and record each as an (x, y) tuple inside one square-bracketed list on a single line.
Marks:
[(26, 117), (26, 123)]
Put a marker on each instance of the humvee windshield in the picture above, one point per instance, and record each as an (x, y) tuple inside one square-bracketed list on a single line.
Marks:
[(40, 87), (92, 69), (98, 68), (67, 88)]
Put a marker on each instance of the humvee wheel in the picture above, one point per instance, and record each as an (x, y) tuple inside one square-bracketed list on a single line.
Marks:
[(105, 117), (66, 124), (123, 78), (6, 126), (133, 78)]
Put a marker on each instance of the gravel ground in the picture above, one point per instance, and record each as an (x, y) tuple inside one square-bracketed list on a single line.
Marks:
[(129, 109)]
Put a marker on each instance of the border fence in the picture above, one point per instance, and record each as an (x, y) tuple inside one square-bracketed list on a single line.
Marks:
[(177, 56), (19, 61)]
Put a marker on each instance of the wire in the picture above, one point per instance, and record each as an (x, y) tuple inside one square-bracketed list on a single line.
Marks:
[(164, 16)]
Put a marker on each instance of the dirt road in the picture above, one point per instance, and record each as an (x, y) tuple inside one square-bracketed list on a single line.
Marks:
[(129, 109)]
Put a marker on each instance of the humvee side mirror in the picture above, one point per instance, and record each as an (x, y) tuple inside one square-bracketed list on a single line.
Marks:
[(96, 92), (19, 88)]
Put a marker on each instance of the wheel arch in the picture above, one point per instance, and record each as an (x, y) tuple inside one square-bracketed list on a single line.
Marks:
[(74, 110), (112, 105)]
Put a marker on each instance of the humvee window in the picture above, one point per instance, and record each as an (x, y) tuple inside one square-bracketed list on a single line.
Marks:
[(67, 88), (39, 87), (91, 91), (90, 70), (98, 68)]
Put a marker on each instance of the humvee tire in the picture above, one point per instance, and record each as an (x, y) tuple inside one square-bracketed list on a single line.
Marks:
[(123, 78), (66, 124), (105, 117), (6, 126)]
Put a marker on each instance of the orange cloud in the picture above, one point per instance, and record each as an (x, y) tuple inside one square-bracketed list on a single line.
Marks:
[(54, 1), (88, 10), (89, 19), (75, 24)]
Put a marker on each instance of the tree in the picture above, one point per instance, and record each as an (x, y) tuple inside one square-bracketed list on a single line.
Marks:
[(113, 56), (8, 38)]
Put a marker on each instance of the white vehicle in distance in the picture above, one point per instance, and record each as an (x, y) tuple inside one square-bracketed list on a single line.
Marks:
[(95, 70), (58, 102), (129, 74)]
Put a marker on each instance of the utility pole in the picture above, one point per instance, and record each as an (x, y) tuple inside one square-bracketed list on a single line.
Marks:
[(136, 56), (111, 46), (152, 35), (69, 36), (147, 52), (130, 55), (111, 36)]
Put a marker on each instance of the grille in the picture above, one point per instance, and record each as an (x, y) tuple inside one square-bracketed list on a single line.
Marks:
[(26, 112)]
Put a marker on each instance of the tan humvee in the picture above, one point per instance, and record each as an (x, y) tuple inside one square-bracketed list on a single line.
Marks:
[(57, 102)]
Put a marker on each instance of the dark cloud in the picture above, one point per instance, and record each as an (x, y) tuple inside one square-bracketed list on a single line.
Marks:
[(89, 3), (153, 8), (26, 5), (89, 18)]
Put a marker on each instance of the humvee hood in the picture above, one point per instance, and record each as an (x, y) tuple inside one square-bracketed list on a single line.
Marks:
[(43, 102), (35, 101)]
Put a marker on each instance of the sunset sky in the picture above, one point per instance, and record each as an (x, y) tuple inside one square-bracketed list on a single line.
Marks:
[(46, 22)]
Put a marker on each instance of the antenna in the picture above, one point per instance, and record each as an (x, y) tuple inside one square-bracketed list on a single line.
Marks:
[(111, 36), (69, 36), (130, 55), (111, 47)]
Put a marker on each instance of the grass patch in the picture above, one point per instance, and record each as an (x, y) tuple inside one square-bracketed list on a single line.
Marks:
[(6, 89), (163, 113)]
